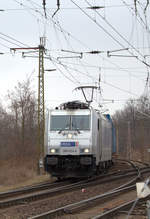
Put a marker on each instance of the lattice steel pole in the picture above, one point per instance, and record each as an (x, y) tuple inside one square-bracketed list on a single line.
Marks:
[(41, 106)]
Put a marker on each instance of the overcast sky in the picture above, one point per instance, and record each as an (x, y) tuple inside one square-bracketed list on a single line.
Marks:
[(78, 29)]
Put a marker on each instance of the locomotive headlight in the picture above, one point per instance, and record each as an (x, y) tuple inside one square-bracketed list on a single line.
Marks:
[(86, 150), (52, 150), (69, 135)]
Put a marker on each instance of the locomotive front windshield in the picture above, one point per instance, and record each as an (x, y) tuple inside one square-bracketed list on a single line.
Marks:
[(60, 122), (80, 122), (70, 122)]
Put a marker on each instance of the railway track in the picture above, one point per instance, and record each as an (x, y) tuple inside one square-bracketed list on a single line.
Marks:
[(30, 189), (49, 185), (76, 208), (21, 196), (57, 188), (56, 184), (84, 204), (124, 210), (80, 206)]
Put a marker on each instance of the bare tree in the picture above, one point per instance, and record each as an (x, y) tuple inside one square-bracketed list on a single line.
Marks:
[(23, 107), (133, 125)]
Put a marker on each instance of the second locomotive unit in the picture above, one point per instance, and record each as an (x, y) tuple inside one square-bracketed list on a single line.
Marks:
[(78, 141)]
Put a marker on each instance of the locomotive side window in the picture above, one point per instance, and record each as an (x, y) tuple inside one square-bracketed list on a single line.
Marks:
[(98, 124), (60, 122), (80, 122)]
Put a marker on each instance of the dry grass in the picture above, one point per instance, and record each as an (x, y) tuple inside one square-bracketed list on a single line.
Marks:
[(19, 172)]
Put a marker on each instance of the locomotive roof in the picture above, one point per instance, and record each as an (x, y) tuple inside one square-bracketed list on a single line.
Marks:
[(73, 105), (77, 105)]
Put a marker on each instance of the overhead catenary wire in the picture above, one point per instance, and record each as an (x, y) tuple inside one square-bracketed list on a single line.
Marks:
[(99, 25), (108, 33), (87, 75), (28, 8), (148, 40), (12, 38), (58, 68), (117, 66), (109, 84), (72, 49), (143, 61), (53, 21), (108, 68), (64, 32), (62, 8), (70, 35), (40, 13), (12, 43), (35, 4), (138, 17), (118, 32)]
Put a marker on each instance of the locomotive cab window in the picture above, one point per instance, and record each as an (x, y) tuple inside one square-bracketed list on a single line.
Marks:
[(70, 122), (60, 122), (81, 122)]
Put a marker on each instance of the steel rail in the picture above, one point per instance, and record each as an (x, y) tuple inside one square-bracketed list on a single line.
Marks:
[(47, 185), (140, 162), (62, 189), (115, 210), (29, 189), (84, 203), (93, 181), (77, 206)]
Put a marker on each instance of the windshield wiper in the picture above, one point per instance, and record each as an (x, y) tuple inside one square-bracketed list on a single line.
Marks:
[(63, 129), (74, 128), (77, 130)]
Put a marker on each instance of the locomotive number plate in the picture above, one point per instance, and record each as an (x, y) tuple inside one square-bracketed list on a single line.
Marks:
[(68, 144)]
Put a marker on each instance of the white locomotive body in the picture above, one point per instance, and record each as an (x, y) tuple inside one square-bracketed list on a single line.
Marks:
[(78, 141)]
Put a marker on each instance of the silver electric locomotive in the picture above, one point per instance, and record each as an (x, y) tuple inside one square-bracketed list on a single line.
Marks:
[(78, 141)]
